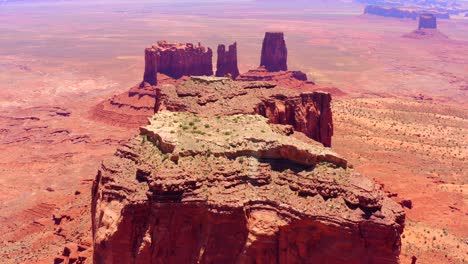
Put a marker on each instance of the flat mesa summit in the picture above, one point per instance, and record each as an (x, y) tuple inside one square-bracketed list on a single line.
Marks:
[(237, 189)]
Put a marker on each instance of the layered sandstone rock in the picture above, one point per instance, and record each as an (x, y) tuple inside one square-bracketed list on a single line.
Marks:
[(237, 190), (310, 113), (390, 12), (177, 60), (151, 67), (292, 79), (296, 80), (132, 108), (307, 112), (227, 61), (274, 52), (427, 21)]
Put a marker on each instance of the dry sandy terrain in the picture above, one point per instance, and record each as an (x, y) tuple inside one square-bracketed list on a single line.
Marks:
[(404, 121)]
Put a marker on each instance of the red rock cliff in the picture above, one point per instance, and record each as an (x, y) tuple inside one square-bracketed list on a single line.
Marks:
[(151, 67), (274, 52), (177, 60), (217, 190), (309, 113), (227, 61)]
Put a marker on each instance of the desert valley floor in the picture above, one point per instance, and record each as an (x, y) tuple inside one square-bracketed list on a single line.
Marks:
[(399, 106)]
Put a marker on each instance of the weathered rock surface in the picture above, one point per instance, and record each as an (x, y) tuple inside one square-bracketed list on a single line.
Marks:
[(291, 79), (177, 60), (151, 67), (310, 113), (274, 52), (427, 21), (132, 108), (307, 112), (227, 61), (296, 80), (237, 190)]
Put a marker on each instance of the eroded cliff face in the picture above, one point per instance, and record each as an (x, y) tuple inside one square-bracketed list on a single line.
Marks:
[(236, 189), (274, 52), (177, 60), (307, 112), (226, 65), (151, 67)]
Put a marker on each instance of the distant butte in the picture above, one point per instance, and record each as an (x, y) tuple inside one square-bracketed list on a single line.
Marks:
[(427, 21), (274, 52), (427, 29), (176, 59), (151, 68), (227, 61)]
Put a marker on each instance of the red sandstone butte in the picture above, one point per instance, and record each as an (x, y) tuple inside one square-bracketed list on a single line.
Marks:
[(274, 52), (236, 189), (132, 108), (177, 60), (227, 61), (151, 67), (427, 21)]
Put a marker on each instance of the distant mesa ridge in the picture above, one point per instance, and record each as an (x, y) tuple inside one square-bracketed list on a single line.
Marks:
[(401, 12)]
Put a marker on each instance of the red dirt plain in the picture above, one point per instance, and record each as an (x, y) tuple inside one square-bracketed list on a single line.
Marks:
[(404, 121)]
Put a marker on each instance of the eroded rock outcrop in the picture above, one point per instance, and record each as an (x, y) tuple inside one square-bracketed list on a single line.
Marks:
[(427, 21), (310, 113), (237, 190), (227, 61), (274, 52), (177, 60), (307, 112), (151, 67)]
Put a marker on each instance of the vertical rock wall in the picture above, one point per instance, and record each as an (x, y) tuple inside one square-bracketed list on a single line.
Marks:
[(227, 61), (274, 52)]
